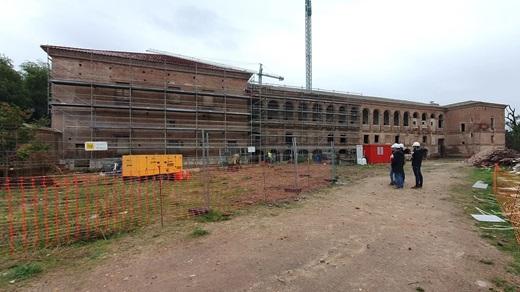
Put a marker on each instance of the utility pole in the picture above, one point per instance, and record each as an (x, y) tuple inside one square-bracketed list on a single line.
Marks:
[(308, 45)]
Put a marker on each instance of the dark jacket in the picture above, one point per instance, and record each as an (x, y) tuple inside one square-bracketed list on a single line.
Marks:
[(398, 161), (417, 157)]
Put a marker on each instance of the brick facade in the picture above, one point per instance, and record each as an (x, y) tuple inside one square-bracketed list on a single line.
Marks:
[(149, 103)]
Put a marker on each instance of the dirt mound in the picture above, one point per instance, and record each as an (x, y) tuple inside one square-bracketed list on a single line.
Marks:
[(491, 156)]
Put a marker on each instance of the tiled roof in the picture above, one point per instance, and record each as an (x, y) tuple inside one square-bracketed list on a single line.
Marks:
[(158, 58)]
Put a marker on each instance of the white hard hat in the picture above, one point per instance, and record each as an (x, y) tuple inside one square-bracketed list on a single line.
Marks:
[(401, 145), (395, 145), (416, 144)]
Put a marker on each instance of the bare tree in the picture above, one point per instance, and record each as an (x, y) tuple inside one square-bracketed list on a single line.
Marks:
[(512, 129), (511, 118)]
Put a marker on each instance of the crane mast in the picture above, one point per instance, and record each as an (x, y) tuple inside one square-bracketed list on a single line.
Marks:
[(308, 45)]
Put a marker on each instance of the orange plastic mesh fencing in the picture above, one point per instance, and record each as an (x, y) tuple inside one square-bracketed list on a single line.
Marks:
[(44, 211), (506, 187)]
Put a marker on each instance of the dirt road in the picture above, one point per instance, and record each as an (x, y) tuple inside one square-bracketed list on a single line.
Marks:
[(362, 236)]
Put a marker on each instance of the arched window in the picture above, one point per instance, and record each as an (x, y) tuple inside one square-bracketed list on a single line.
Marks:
[(302, 111), (406, 119), (316, 113), (330, 114), (415, 118), (423, 120), (432, 121), (375, 120), (386, 118), (288, 113), (365, 116), (397, 118), (272, 110), (441, 121), (342, 115)]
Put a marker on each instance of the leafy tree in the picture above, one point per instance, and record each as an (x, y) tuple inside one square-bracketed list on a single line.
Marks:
[(34, 77), (11, 85), (17, 139), (513, 129)]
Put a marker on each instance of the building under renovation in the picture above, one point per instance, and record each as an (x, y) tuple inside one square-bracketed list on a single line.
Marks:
[(143, 103)]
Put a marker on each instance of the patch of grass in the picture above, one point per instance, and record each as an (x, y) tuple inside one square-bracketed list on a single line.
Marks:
[(505, 285), (464, 195), (482, 174), (20, 272), (97, 254), (213, 216), (514, 267), (419, 288), (199, 232), (79, 257), (498, 281), (487, 262), (488, 236)]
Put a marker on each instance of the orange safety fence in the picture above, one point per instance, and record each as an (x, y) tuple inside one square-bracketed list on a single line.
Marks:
[(48, 211), (506, 187)]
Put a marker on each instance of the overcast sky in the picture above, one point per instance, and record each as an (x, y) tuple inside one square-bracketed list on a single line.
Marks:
[(445, 51)]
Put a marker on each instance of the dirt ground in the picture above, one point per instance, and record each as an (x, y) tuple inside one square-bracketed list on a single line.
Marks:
[(361, 236)]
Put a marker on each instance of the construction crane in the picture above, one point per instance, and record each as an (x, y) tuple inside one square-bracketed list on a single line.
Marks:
[(308, 45), (261, 74)]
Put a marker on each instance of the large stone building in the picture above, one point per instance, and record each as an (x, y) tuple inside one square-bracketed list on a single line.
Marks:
[(157, 103)]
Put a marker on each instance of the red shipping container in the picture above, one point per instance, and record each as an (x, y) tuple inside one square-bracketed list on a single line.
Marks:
[(377, 153)]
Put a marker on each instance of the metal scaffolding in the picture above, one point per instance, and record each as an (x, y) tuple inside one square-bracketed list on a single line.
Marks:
[(156, 107)]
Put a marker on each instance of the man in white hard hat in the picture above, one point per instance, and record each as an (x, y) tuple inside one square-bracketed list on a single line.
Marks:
[(417, 156), (397, 167), (392, 175), (401, 148)]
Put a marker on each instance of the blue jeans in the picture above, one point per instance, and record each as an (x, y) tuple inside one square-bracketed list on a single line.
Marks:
[(418, 175), (399, 180), (392, 177)]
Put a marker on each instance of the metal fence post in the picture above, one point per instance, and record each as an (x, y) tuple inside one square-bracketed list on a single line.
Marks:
[(333, 168), (295, 161), (205, 164)]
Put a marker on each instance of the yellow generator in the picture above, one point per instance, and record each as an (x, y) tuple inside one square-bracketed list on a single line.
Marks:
[(151, 165)]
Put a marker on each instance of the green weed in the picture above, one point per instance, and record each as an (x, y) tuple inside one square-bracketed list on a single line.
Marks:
[(505, 285), (213, 216), (199, 232), (20, 272)]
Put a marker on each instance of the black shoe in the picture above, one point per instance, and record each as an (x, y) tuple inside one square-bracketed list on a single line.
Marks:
[(416, 187), (392, 183)]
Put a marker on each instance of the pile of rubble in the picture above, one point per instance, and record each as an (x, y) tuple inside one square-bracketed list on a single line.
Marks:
[(491, 156)]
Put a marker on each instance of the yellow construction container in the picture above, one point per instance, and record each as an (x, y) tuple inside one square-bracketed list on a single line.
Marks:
[(149, 165)]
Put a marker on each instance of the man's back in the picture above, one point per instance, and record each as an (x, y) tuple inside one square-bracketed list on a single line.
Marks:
[(417, 156)]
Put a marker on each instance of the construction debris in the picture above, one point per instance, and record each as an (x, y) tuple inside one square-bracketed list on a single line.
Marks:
[(491, 156), (487, 218), (480, 185)]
